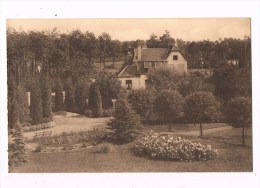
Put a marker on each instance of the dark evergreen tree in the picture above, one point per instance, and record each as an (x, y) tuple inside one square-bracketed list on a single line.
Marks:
[(46, 97), (81, 94), (12, 103), (19, 154), (126, 124), (36, 103), (58, 95), (22, 108), (69, 97), (95, 100)]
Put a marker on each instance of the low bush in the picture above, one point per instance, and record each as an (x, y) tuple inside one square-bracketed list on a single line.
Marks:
[(38, 149), (93, 137), (108, 113), (38, 127), (103, 148), (164, 147), (88, 113), (61, 113)]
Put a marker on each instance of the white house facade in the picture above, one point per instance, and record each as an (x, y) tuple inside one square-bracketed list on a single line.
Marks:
[(134, 76)]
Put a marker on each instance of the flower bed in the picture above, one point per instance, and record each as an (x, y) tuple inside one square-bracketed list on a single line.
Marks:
[(164, 147), (38, 127)]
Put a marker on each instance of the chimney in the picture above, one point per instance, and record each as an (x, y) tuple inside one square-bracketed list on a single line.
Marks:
[(139, 51)]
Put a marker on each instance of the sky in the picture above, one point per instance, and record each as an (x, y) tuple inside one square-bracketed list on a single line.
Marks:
[(188, 29)]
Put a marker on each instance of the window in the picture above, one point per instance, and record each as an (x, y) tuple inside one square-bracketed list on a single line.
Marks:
[(175, 57), (128, 84)]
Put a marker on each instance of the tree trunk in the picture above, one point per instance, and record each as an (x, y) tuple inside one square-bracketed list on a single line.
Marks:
[(243, 136), (201, 133)]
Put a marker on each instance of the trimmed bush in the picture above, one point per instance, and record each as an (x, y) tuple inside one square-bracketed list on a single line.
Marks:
[(88, 113), (36, 104), (164, 147), (46, 97), (95, 100), (169, 105), (58, 95), (126, 125), (108, 113), (81, 94)]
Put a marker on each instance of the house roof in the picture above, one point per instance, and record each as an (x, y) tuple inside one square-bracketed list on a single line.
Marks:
[(153, 54), (129, 71)]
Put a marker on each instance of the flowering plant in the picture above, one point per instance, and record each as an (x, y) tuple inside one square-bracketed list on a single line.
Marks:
[(164, 147)]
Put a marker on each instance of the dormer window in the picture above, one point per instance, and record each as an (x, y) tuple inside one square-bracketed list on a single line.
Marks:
[(175, 57)]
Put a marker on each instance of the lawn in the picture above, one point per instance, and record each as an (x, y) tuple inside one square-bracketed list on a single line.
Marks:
[(232, 158)]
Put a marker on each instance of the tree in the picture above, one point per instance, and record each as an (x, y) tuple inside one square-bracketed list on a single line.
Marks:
[(69, 97), (81, 94), (230, 81), (104, 41), (46, 97), (36, 103), (95, 100), (163, 79), (200, 107), (12, 103), (58, 95), (169, 105), (115, 50), (239, 113), (125, 50), (126, 124), (19, 155), (109, 87), (22, 106), (142, 101)]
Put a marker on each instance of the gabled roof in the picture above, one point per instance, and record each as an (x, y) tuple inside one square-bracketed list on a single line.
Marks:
[(129, 71), (154, 54)]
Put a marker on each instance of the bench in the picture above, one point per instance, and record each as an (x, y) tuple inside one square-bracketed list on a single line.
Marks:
[(43, 133)]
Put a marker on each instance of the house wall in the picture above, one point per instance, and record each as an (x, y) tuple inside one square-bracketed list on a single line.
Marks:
[(137, 82), (180, 64)]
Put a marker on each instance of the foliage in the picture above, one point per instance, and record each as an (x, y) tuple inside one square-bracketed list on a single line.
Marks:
[(163, 79), (46, 97), (58, 95), (47, 123), (142, 101), (195, 82), (109, 87), (169, 105), (164, 147), (239, 113), (69, 95), (94, 137), (81, 94), (160, 42), (108, 112), (231, 81), (12, 103), (95, 100), (18, 151), (126, 124), (88, 113), (200, 107), (103, 148), (36, 111)]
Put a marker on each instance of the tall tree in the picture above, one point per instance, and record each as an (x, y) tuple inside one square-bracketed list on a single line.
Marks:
[(36, 103), (95, 100), (104, 41)]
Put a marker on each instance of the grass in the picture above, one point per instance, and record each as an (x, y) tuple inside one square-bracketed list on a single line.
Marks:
[(232, 158)]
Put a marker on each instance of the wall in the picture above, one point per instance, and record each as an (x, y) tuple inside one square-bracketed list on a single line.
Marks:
[(180, 64), (137, 82)]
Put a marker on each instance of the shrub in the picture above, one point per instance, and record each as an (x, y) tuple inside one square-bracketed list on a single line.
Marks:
[(36, 104), (95, 100), (239, 113), (46, 97), (169, 105), (201, 107), (164, 147), (38, 149), (61, 113), (108, 113), (142, 101), (103, 148), (58, 95), (69, 98), (88, 113), (126, 124)]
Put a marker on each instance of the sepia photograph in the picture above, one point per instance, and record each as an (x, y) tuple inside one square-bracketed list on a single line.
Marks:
[(129, 95)]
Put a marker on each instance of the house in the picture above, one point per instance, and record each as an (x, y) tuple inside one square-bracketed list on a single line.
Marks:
[(134, 76)]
